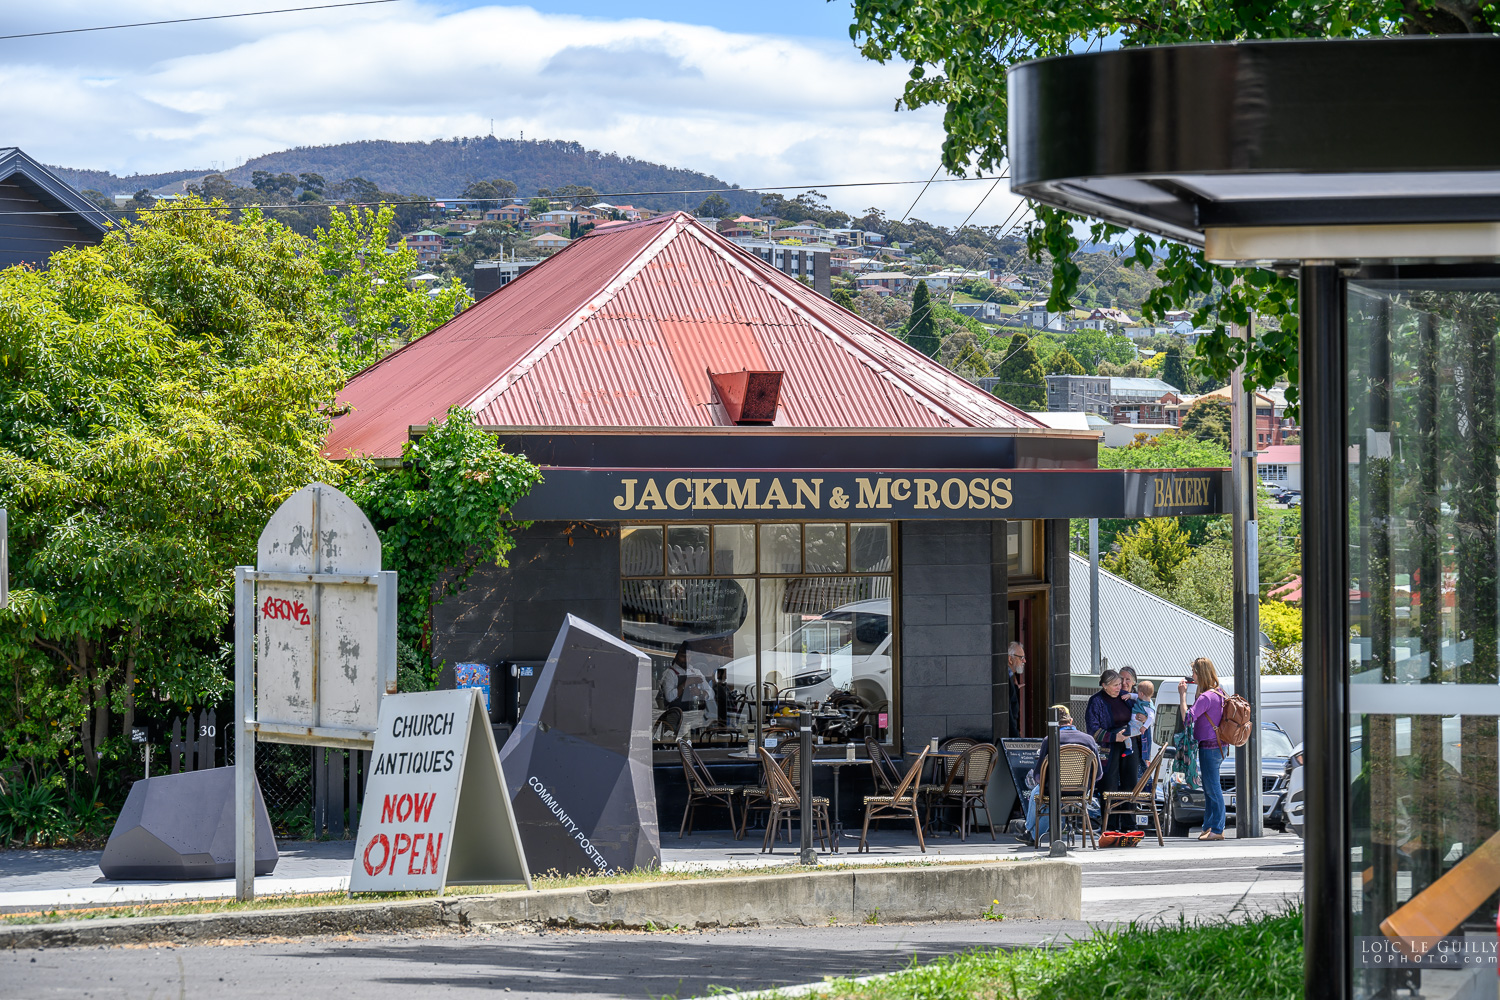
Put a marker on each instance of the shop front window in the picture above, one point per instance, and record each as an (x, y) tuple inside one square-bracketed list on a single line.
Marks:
[(1424, 616), (748, 624)]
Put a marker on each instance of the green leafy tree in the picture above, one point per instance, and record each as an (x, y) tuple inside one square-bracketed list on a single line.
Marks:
[(715, 206), (1022, 381), (440, 515), (959, 61), (537, 206), (844, 297), (1063, 363), (1208, 420), (1095, 347), (1172, 371), (490, 193), (1149, 554), (921, 327), (161, 393), (1202, 580), (365, 287), (1282, 624)]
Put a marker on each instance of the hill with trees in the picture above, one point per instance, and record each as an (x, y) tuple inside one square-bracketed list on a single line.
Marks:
[(445, 167)]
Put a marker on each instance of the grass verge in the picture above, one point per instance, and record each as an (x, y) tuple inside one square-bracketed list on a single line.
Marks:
[(551, 880), (1260, 959)]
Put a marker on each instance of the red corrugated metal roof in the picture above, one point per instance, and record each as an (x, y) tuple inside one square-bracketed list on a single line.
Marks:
[(622, 328)]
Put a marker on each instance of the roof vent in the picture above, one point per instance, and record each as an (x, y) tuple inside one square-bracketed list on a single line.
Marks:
[(749, 397)]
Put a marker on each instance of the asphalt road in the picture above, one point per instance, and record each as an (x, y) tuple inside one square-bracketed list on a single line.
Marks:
[(548, 965)]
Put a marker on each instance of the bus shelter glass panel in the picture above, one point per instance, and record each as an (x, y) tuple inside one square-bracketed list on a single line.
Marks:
[(1424, 616)]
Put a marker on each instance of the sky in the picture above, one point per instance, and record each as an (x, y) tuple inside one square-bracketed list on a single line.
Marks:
[(771, 92)]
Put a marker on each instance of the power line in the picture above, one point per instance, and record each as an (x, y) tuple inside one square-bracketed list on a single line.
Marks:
[(187, 20), (447, 198), (924, 190)]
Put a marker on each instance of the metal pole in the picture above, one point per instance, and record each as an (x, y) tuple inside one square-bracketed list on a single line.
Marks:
[(809, 856), (1327, 948), (244, 736), (1056, 848), (1242, 441), (1094, 594)]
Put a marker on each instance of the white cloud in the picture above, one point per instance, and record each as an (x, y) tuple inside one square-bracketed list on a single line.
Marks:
[(752, 109)]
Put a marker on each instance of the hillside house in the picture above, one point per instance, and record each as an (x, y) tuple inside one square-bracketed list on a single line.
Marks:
[(39, 214)]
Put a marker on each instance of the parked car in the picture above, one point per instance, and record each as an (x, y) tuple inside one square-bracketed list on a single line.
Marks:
[(1289, 807), (847, 649), (1184, 803)]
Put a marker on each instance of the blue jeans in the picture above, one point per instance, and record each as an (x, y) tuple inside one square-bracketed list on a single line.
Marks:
[(1036, 819), (1209, 760)]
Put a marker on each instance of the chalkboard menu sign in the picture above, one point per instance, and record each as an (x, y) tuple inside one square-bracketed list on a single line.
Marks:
[(1021, 755)]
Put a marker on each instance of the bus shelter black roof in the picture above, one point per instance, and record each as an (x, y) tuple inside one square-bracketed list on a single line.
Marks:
[(1177, 139)]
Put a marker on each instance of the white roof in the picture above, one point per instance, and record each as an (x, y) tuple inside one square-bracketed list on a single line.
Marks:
[(1063, 420)]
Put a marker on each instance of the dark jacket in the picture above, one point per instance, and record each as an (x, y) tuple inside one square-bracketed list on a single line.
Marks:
[(1101, 715)]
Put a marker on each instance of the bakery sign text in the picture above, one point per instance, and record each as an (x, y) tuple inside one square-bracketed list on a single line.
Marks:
[(810, 493)]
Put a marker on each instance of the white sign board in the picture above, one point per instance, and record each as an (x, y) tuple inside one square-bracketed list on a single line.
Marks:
[(436, 811), (325, 651)]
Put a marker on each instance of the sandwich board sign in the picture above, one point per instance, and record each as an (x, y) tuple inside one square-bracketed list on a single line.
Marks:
[(436, 809)]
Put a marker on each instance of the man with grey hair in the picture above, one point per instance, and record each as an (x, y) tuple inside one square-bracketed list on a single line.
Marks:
[(1017, 663)]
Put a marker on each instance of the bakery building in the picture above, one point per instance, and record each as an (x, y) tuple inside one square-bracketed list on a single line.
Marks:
[(782, 505)]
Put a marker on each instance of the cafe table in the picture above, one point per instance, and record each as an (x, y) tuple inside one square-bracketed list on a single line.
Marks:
[(835, 763)]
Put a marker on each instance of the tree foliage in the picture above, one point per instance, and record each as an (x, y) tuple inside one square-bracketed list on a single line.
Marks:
[(1021, 380), (1172, 371), (1095, 347), (959, 61), (1063, 363), (163, 391), (441, 514), (1208, 420), (1282, 624), (715, 206), (921, 329), (1150, 553)]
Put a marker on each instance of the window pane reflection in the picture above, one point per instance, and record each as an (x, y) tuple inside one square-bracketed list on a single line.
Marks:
[(734, 548), (825, 548), (872, 548), (687, 550), (781, 548), (640, 551)]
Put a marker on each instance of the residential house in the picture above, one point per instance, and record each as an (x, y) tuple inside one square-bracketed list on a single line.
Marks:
[(885, 283), (427, 244), (541, 224), (1078, 394), (810, 262), (1140, 400), (492, 275), (40, 214), (1280, 465), (513, 214), (1271, 428), (549, 242), (1106, 319)]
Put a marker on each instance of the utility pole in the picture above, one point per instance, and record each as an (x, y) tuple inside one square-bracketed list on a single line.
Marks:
[(1094, 594), (1244, 479)]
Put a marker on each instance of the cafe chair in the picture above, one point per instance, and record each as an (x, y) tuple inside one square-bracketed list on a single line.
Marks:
[(965, 788), (1076, 776), (702, 789), (669, 721), (786, 802), (900, 803), (881, 766), (1141, 798)]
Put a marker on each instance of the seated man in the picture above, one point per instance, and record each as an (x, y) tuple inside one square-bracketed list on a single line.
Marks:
[(1037, 818)]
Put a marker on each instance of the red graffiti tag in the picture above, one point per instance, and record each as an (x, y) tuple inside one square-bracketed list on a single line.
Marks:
[(292, 611)]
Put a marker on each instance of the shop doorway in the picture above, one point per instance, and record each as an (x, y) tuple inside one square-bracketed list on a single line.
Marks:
[(1027, 625)]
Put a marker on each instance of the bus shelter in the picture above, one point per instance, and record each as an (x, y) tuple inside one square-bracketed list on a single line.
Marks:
[(1372, 168)]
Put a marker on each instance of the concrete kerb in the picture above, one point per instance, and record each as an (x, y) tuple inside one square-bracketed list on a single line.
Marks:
[(1030, 889)]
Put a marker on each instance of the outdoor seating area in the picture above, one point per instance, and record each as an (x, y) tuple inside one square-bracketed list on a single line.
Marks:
[(940, 790)]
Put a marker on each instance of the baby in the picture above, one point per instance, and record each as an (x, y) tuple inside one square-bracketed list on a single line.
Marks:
[(1142, 711)]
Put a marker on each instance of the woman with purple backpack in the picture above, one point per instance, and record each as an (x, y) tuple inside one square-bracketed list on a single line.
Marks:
[(1204, 716)]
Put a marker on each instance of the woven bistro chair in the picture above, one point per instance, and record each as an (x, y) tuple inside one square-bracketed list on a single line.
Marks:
[(900, 803), (966, 785), (946, 769), (1076, 776), (1140, 798), (669, 721), (786, 801), (702, 789), (882, 767)]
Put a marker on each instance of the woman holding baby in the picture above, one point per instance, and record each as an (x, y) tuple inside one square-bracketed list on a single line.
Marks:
[(1107, 720)]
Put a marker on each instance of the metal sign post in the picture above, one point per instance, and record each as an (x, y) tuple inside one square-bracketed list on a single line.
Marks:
[(805, 751), (1057, 847), (315, 642)]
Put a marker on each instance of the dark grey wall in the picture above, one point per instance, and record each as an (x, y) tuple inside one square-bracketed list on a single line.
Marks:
[(513, 613), (31, 239), (947, 628)]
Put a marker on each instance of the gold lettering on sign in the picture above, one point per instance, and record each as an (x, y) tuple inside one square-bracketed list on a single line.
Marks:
[(1183, 491), (686, 484), (813, 493), (777, 494), (703, 494), (626, 500), (877, 496), (900, 489), (652, 495), (979, 494), (954, 499), (927, 494), (741, 495), (1000, 490)]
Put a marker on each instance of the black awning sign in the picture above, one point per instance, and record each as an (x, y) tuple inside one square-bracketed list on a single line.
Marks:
[(906, 494)]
